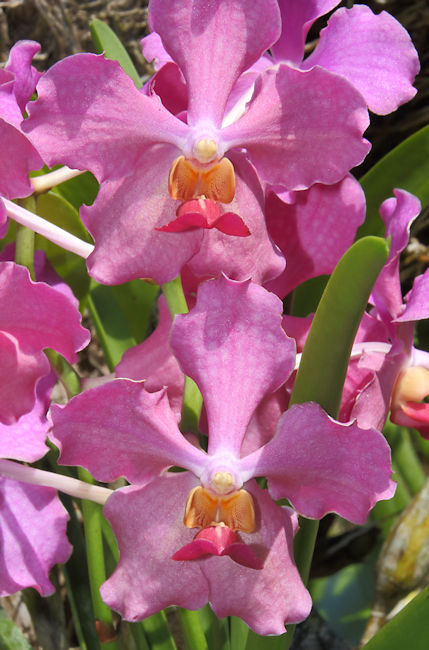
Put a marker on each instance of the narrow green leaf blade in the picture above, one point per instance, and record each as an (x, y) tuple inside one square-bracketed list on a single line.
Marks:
[(325, 357), (408, 629), (406, 167), (70, 267), (105, 40), (121, 315)]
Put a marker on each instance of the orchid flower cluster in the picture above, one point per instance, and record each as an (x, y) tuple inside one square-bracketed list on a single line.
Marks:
[(230, 169)]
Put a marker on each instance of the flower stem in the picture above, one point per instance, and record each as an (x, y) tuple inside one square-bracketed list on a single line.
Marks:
[(24, 251), (47, 229), (192, 399), (71, 486), (192, 631), (45, 182), (95, 555)]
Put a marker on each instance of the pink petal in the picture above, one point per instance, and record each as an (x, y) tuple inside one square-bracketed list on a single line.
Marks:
[(89, 115), (148, 525), (198, 36), (119, 429), (315, 231), (4, 224), (38, 315), (246, 257), (14, 181), (154, 362), (154, 51), (263, 425), (33, 531), (9, 109), (123, 219), (321, 465), (19, 372), (25, 439), (398, 213), (417, 300), (26, 76), (169, 86), (301, 127), (374, 52), (413, 414), (273, 596), (297, 18), (232, 344)]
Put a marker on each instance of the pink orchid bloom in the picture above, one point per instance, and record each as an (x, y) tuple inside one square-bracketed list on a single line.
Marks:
[(386, 372), (89, 115), (406, 370), (34, 316), (18, 81), (32, 519), (232, 344), (372, 51)]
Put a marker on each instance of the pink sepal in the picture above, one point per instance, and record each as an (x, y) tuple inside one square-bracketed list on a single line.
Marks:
[(219, 540)]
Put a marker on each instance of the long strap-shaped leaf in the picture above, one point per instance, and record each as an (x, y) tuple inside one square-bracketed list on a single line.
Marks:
[(323, 368)]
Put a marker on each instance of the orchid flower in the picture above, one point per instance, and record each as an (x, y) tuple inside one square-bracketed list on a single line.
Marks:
[(210, 533), (407, 372), (89, 115)]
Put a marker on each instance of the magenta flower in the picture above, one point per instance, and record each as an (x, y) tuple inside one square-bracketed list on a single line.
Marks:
[(32, 519), (34, 316), (233, 346), (406, 369), (89, 115), (17, 83)]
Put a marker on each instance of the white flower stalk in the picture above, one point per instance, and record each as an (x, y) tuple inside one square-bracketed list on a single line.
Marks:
[(73, 487)]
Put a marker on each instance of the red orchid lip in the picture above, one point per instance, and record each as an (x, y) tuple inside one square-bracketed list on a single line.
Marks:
[(204, 213), (219, 540)]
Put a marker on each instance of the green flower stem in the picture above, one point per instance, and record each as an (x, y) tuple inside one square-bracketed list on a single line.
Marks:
[(238, 633), (24, 251), (92, 518), (192, 630), (176, 301), (192, 399), (216, 631), (408, 463), (157, 630)]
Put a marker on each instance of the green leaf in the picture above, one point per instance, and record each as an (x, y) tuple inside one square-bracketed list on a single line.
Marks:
[(322, 371), (11, 637), (105, 40), (121, 315), (406, 167), (344, 600), (79, 190), (408, 629), (70, 267)]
